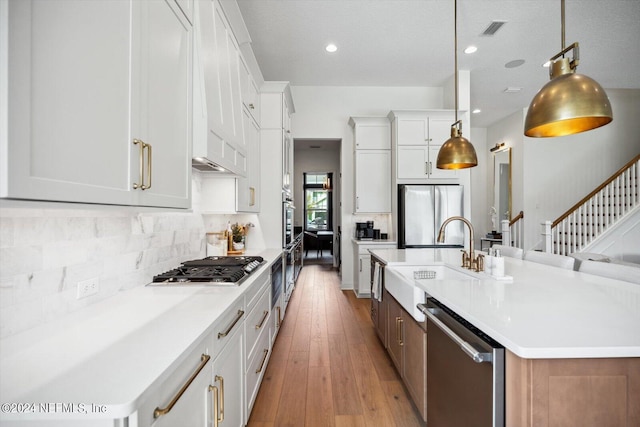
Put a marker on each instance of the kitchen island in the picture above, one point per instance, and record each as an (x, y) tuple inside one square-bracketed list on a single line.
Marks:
[(572, 339)]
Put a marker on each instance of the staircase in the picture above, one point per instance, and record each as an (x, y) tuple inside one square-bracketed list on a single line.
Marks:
[(513, 231), (596, 213)]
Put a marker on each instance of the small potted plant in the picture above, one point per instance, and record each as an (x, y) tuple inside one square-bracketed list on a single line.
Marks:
[(238, 233)]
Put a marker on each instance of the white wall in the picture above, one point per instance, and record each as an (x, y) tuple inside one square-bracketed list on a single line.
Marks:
[(480, 185), (552, 174), (321, 161), (323, 112)]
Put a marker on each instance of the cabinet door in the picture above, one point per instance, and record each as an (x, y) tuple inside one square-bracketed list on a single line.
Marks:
[(373, 181), (363, 287), (413, 163), (440, 129), (68, 101), (394, 331), (228, 377), (371, 136), (161, 110), (415, 362), (192, 409), (412, 131), (248, 188)]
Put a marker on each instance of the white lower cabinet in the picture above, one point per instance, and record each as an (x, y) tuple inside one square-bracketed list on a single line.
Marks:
[(362, 271), (228, 382), (256, 366), (183, 398)]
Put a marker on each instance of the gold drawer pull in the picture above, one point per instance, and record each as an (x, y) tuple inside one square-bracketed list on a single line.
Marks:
[(163, 411), (401, 340), (264, 359), (221, 405), (141, 165), (214, 399), (225, 333), (266, 313)]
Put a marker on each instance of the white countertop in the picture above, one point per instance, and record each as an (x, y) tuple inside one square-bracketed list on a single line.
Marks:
[(373, 241), (545, 312), (111, 352)]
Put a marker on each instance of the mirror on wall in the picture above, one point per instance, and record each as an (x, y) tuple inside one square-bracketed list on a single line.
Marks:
[(502, 182)]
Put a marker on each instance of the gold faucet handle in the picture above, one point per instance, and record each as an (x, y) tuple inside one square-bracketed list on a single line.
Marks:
[(480, 263), (466, 259)]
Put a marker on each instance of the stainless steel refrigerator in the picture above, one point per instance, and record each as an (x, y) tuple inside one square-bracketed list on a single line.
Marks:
[(421, 211)]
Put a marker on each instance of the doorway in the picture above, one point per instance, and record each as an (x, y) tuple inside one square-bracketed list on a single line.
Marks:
[(317, 198)]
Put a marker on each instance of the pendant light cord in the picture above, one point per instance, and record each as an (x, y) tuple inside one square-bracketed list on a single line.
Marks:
[(455, 51), (562, 22)]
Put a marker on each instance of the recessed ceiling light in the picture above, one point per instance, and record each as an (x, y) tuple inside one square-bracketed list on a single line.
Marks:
[(471, 49), (515, 63), (476, 111), (331, 48)]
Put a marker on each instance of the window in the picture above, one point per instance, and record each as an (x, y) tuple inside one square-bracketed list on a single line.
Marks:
[(318, 201)]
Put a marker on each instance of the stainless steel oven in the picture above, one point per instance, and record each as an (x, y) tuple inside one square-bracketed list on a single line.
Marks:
[(287, 222), (465, 372)]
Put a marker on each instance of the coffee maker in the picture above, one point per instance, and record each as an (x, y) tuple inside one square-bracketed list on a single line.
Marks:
[(364, 230)]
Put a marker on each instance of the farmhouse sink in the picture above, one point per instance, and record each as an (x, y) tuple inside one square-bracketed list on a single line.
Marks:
[(400, 283)]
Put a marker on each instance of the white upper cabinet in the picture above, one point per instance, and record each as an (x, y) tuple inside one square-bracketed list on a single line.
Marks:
[(86, 79), (417, 137), (218, 122), (372, 158)]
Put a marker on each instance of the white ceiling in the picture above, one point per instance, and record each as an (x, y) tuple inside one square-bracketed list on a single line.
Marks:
[(410, 43)]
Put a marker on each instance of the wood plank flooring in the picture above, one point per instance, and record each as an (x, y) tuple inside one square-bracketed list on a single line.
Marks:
[(328, 367)]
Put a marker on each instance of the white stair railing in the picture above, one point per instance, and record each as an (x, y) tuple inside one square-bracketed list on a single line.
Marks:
[(595, 213), (513, 231)]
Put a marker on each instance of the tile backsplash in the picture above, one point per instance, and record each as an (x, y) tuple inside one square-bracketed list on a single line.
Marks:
[(44, 253), (45, 250)]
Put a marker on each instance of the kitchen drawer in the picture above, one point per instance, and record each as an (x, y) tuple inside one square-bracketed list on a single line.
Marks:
[(227, 325), (257, 321), (256, 367), (364, 248), (191, 408), (262, 281)]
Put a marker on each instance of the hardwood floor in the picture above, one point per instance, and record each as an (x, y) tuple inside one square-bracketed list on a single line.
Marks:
[(328, 367)]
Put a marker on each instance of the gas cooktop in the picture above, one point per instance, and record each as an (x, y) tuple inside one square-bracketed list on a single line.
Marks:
[(218, 270)]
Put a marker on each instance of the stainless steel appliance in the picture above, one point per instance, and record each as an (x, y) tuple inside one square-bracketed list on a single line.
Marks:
[(287, 222), (421, 211), (292, 257), (276, 281), (218, 270), (465, 372)]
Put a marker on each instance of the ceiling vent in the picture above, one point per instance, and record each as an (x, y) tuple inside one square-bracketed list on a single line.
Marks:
[(493, 28)]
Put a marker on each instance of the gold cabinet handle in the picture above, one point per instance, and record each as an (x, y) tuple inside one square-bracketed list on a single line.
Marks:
[(142, 185), (264, 359), (141, 165), (401, 329), (214, 400), (221, 403), (252, 196), (279, 316), (238, 317), (149, 162), (158, 412), (264, 317)]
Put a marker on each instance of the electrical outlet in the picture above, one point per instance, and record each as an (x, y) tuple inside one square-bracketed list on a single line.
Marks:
[(87, 287)]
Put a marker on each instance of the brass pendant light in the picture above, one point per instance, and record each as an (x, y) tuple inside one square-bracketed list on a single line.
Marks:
[(570, 103), (457, 152)]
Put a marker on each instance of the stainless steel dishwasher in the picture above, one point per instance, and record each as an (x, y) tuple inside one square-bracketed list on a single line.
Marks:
[(465, 371)]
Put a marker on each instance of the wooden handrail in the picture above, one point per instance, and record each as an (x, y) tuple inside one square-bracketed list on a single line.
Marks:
[(516, 218), (594, 192)]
